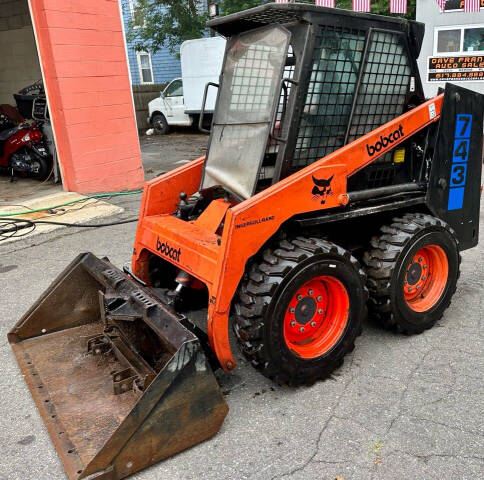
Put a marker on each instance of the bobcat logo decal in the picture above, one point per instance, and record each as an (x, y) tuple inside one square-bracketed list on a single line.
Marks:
[(322, 188)]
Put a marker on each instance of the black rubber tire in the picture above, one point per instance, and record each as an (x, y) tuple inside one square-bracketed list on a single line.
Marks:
[(45, 167), (160, 124), (262, 299), (386, 265), (44, 164)]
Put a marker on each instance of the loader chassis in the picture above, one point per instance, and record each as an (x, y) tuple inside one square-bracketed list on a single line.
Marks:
[(219, 259), (330, 185), (351, 125)]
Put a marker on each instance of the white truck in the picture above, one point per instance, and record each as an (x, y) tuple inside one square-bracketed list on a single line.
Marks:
[(180, 103)]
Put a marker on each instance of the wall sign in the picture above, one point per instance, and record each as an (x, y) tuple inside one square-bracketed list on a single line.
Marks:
[(453, 5), (458, 68)]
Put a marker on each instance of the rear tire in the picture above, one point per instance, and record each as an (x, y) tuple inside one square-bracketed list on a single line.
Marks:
[(412, 273), (160, 124), (43, 167), (308, 284)]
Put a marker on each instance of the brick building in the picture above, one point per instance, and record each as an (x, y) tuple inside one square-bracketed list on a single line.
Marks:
[(78, 48), (453, 46)]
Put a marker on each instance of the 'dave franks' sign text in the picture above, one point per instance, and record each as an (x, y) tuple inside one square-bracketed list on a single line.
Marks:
[(452, 5), (462, 68)]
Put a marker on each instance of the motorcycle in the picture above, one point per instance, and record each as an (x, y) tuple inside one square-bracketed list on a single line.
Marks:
[(23, 150), (23, 147)]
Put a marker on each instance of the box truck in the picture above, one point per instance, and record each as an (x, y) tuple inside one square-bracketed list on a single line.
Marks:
[(180, 103)]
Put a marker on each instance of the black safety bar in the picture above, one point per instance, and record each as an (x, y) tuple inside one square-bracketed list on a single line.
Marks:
[(204, 101), (274, 119)]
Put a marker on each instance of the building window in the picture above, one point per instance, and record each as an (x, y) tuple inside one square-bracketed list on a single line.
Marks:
[(474, 39), (448, 41), (145, 67), (459, 39)]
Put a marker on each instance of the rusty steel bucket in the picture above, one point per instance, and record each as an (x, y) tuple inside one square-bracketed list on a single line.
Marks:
[(120, 382)]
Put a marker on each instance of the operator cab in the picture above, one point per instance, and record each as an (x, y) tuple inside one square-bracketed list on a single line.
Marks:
[(299, 82)]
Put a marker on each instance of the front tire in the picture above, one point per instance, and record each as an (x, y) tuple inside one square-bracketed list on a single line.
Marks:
[(160, 124), (412, 273), (299, 310)]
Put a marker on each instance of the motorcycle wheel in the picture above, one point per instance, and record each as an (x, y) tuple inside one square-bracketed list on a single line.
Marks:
[(41, 167)]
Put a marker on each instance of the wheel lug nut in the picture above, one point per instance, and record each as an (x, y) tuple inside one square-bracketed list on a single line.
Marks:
[(301, 329), (418, 287), (292, 310), (313, 324), (424, 277), (310, 291), (409, 289), (425, 266), (299, 297), (293, 324), (420, 259), (319, 298), (320, 311)]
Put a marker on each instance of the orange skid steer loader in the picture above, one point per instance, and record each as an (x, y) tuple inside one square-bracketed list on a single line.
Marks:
[(330, 185)]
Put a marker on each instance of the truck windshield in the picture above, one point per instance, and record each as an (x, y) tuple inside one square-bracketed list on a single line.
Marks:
[(249, 94), (175, 89)]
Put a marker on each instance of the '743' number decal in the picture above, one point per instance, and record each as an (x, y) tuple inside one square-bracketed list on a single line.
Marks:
[(463, 128)]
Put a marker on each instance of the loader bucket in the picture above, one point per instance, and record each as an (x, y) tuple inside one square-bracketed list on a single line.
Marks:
[(119, 381)]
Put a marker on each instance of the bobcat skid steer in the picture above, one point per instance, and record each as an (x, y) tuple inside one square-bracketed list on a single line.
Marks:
[(330, 185)]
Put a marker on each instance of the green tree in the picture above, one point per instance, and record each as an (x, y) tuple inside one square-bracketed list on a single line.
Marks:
[(234, 6), (381, 7), (166, 23)]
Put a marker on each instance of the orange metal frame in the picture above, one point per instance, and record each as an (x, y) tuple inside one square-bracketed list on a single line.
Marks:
[(219, 260)]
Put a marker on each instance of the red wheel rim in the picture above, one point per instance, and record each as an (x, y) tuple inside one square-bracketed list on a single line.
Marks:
[(316, 316), (425, 278)]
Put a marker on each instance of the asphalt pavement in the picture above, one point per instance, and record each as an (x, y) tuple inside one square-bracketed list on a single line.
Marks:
[(399, 408)]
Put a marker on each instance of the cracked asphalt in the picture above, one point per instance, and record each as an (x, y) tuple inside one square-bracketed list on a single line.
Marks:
[(399, 408)]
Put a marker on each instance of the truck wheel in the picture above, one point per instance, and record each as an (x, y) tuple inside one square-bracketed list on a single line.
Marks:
[(159, 123), (299, 310), (412, 272)]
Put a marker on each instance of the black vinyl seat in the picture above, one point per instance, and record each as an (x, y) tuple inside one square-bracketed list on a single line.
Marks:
[(5, 134)]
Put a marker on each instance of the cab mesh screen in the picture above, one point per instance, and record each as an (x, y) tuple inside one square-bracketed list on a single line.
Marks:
[(338, 58), (336, 64), (384, 84)]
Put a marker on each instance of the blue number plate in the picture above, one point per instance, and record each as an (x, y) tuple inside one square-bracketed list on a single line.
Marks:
[(458, 173)]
